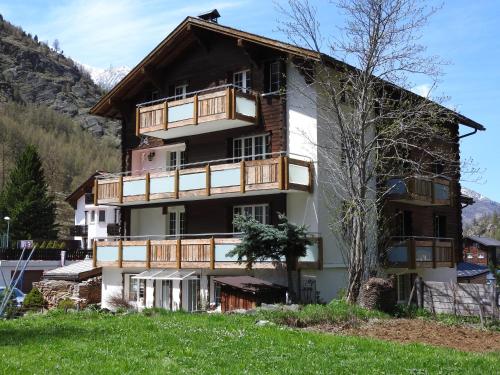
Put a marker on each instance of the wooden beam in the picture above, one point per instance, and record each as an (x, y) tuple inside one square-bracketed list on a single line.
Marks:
[(152, 76), (285, 175), (148, 181), (96, 192), (137, 122), (233, 103), (242, 176), (311, 179), (245, 47), (207, 179), (178, 253), (212, 253), (452, 260), (176, 184), (195, 109), (94, 254), (228, 103), (281, 184), (148, 254), (120, 253), (165, 115), (120, 189)]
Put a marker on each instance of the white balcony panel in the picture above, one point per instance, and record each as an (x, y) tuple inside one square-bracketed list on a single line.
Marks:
[(221, 251), (180, 112), (298, 174), (134, 253), (245, 106), (193, 181), (135, 187), (107, 253), (226, 177), (158, 185)]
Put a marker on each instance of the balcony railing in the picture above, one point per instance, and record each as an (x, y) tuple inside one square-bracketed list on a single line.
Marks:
[(78, 230), (206, 179), (420, 190), (196, 251), (204, 111), (420, 252)]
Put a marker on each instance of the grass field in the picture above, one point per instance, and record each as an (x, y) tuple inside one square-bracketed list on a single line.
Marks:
[(96, 343)]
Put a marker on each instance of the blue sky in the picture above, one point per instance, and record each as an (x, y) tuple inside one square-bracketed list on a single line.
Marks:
[(101, 33)]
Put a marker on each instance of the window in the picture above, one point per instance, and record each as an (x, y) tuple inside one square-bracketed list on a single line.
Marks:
[(243, 80), (252, 148), (181, 91), (85, 217), (102, 216), (259, 212), (217, 294), (117, 216), (193, 287), (92, 216), (404, 224), (135, 289), (470, 256), (439, 226), (176, 220), (176, 158), (481, 256), (275, 76)]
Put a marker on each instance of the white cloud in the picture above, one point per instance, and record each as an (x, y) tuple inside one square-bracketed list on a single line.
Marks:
[(422, 90)]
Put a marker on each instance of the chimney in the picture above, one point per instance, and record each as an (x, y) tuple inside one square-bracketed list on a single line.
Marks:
[(211, 16)]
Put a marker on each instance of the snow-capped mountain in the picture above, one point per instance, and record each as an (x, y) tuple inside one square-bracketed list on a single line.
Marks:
[(107, 78), (482, 206)]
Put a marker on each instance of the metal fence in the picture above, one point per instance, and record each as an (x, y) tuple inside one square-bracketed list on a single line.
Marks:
[(45, 254)]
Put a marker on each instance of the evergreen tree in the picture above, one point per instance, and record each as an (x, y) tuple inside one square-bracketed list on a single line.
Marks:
[(26, 200)]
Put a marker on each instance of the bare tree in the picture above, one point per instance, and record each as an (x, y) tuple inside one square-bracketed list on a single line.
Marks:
[(56, 45), (371, 127)]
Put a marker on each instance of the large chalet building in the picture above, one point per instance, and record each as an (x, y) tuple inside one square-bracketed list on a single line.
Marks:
[(213, 123)]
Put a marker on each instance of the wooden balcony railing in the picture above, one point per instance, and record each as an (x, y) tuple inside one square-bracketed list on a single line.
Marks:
[(278, 173), (420, 190), (78, 230), (216, 109), (209, 252), (420, 252)]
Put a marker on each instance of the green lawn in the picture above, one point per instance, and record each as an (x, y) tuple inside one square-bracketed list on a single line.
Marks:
[(91, 342)]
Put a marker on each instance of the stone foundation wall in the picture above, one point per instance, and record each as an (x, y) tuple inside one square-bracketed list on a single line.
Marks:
[(82, 293)]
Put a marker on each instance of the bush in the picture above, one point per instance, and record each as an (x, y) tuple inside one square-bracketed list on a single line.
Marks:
[(118, 302), (66, 304), (34, 300)]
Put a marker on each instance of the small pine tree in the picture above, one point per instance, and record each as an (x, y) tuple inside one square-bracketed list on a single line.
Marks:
[(34, 300), (26, 200)]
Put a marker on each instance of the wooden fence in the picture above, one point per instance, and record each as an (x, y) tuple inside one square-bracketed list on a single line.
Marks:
[(459, 299)]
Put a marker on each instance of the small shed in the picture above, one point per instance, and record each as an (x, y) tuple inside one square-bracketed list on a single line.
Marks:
[(247, 292)]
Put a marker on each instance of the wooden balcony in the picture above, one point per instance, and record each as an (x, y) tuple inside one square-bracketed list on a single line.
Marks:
[(420, 191), (272, 175), (420, 252), (203, 112), (208, 252)]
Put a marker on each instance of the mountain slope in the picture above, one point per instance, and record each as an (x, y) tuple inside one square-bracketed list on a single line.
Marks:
[(32, 72), (106, 79), (483, 206)]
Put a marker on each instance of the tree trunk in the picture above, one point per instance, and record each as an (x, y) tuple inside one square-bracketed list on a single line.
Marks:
[(357, 266), (290, 267)]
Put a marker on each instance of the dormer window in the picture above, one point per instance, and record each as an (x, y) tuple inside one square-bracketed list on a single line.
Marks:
[(181, 91), (243, 80), (275, 76)]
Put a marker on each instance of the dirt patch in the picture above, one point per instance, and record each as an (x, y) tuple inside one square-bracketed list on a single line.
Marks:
[(421, 331)]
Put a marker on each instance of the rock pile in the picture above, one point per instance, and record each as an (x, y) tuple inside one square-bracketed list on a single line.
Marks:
[(379, 294), (82, 293)]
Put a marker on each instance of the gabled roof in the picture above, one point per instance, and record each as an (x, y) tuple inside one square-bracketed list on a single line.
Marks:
[(82, 189), (485, 241), (105, 105)]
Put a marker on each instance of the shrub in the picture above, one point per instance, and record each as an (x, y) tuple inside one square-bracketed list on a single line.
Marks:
[(117, 301), (34, 300), (66, 304)]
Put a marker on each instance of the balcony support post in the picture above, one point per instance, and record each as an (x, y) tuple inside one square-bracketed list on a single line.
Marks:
[(178, 253), (165, 115), (137, 122), (452, 255), (148, 180), (96, 192), (212, 253), (285, 170), (94, 253), (120, 253), (228, 103), (281, 184), (176, 184), (242, 176), (233, 103), (195, 110), (433, 253), (207, 179), (120, 189), (148, 254)]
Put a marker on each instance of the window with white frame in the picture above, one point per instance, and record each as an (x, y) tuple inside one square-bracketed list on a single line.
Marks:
[(102, 216), (176, 158), (92, 216), (243, 80), (259, 212), (181, 91), (135, 289), (193, 286), (254, 147), (275, 76), (176, 220)]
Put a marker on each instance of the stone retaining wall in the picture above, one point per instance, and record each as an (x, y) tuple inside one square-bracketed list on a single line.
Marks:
[(82, 293)]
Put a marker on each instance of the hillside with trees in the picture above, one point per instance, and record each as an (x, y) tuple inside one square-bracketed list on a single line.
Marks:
[(484, 226)]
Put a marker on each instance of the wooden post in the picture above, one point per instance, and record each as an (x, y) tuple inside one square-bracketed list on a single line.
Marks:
[(120, 253), (433, 192), (420, 292), (281, 172), (242, 176), (165, 115), (452, 257), (411, 245), (148, 254), (433, 253), (228, 103), (137, 122), (94, 253), (212, 253), (285, 170), (147, 186), (207, 179), (96, 192), (233, 103), (178, 253), (176, 184), (120, 189), (311, 180), (195, 109)]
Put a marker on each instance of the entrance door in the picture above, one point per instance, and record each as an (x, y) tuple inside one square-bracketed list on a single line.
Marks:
[(164, 294)]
